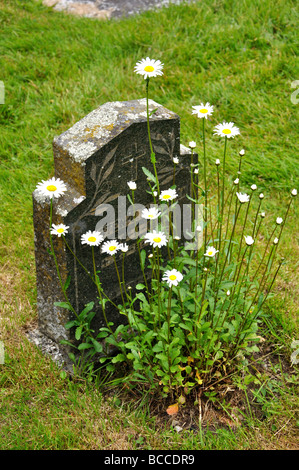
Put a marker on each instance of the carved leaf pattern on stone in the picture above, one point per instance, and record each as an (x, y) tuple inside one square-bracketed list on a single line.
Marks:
[(100, 180)]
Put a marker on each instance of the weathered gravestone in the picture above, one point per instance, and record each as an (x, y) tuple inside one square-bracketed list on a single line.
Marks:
[(96, 158)]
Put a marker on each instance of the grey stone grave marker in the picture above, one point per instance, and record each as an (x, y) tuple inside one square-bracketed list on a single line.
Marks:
[(96, 158)]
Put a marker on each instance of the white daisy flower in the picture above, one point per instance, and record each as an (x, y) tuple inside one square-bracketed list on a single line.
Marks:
[(124, 247), (59, 230), (156, 239), (249, 240), (203, 110), (211, 252), (275, 241), (172, 277), (132, 185), (243, 197), (168, 195), (151, 213), (226, 129), (149, 67), (92, 238), (253, 187), (192, 144), (279, 220), (111, 247), (294, 192), (53, 187), (217, 162)]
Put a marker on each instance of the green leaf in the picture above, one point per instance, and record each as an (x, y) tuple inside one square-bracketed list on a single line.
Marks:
[(119, 358), (87, 309), (67, 283), (84, 346), (70, 324), (78, 332), (97, 346), (149, 174), (142, 258), (63, 305), (153, 111), (140, 286)]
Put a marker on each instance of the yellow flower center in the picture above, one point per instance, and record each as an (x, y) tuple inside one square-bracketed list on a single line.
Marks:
[(210, 253), (227, 131), (60, 230), (166, 196), (92, 239), (157, 239), (149, 68), (203, 110), (111, 248), (172, 277), (150, 216), (51, 187)]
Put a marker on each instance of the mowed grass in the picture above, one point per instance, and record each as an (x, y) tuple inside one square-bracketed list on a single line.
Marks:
[(238, 55)]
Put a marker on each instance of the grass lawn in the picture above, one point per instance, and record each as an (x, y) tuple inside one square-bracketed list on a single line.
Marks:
[(238, 55)]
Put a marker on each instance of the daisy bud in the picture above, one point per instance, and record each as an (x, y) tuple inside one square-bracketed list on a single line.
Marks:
[(263, 214), (192, 144), (249, 240), (217, 162), (132, 185), (279, 220), (275, 241), (175, 160), (196, 171), (294, 192), (236, 181), (253, 187), (228, 293), (155, 193), (242, 152), (261, 196)]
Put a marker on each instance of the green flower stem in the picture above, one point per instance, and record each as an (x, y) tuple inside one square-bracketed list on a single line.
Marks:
[(226, 257), (168, 323), (229, 209), (258, 229), (153, 158), (240, 339), (143, 273), (56, 263), (99, 291), (255, 220), (203, 292), (222, 192), (266, 249), (205, 183), (266, 296), (119, 282), (86, 270), (242, 234)]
